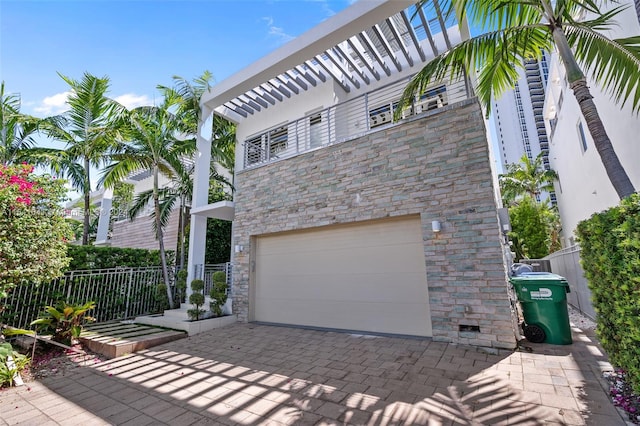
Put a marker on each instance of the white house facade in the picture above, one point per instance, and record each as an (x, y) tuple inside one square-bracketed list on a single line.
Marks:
[(344, 215), (583, 187)]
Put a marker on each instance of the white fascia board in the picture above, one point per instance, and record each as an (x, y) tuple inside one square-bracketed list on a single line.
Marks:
[(353, 20)]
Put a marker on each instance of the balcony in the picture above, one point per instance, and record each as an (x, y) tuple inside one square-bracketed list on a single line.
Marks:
[(369, 112)]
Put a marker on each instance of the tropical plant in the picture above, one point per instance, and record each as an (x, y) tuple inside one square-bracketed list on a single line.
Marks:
[(196, 299), (516, 30), (33, 232), (181, 285), (529, 177), (218, 292), (184, 97), (152, 144), (88, 129), (64, 321), (532, 227), (160, 297), (218, 247), (11, 364), (16, 130)]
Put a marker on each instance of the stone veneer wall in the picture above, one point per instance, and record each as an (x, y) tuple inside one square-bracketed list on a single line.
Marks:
[(436, 166)]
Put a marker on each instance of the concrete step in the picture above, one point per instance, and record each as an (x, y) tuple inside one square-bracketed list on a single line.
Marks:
[(182, 323), (114, 339)]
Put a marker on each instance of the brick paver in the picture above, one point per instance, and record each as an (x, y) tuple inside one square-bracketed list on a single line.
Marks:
[(248, 374)]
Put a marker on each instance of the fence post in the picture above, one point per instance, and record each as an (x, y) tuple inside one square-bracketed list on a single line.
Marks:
[(69, 286), (126, 303)]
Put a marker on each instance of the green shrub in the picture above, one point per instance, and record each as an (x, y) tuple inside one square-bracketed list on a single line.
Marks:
[(90, 257), (532, 228), (9, 369), (161, 298), (33, 232), (218, 292), (610, 255), (181, 285), (64, 321), (196, 299)]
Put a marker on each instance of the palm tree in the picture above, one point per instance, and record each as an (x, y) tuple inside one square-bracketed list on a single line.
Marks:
[(179, 190), (523, 29), (152, 143), (88, 130), (529, 177), (16, 129), (185, 97)]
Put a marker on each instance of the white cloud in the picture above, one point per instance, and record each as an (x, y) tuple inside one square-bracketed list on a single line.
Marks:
[(52, 105), (277, 32), (131, 100), (328, 11)]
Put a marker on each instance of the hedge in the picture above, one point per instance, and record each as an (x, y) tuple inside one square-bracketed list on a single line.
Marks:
[(610, 254), (90, 257)]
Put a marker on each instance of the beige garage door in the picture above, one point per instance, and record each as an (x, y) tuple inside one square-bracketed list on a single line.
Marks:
[(368, 277)]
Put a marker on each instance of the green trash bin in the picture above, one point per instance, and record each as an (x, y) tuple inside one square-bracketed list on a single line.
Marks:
[(543, 298)]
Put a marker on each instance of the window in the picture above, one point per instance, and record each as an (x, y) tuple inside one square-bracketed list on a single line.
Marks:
[(315, 130), (553, 123), (582, 137), (278, 141), (381, 115), (432, 99), (253, 150)]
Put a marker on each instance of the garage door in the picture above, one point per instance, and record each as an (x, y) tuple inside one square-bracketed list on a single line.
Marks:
[(368, 277)]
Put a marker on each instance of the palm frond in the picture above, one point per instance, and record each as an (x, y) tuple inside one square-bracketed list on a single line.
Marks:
[(493, 55), (139, 203), (614, 64)]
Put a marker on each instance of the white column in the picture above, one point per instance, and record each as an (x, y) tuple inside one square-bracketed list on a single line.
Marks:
[(198, 231), (105, 217)]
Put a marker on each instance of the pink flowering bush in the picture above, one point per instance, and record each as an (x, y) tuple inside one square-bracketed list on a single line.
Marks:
[(33, 232)]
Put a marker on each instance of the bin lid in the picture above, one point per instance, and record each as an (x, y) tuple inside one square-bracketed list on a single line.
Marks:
[(540, 277)]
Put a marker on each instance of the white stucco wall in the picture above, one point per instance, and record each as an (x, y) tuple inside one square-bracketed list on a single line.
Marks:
[(584, 187)]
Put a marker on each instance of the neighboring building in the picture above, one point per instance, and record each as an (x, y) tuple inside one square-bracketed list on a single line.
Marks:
[(583, 187), (138, 233), (343, 217), (519, 118)]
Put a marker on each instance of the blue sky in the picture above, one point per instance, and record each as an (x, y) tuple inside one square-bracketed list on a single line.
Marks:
[(140, 43)]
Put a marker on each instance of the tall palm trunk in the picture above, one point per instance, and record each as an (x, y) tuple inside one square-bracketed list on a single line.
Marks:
[(160, 236), (578, 83), (87, 203)]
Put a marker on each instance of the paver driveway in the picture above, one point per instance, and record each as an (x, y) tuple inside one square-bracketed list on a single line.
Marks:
[(255, 374)]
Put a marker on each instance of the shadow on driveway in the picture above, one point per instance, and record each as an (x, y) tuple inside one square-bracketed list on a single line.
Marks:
[(255, 374)]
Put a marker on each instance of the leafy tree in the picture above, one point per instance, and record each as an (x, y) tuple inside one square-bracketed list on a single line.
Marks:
[(218, 247), (522, 29), (185, 97), (33, 231), (526, 178), (152, 143), (88, 129), (16, 129), (529, 231)]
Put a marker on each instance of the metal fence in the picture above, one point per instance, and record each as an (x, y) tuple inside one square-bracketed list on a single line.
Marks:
[(119, 293), (566, 262)]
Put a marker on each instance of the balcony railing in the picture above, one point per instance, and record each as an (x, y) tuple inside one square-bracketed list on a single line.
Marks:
[(356, 117)]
